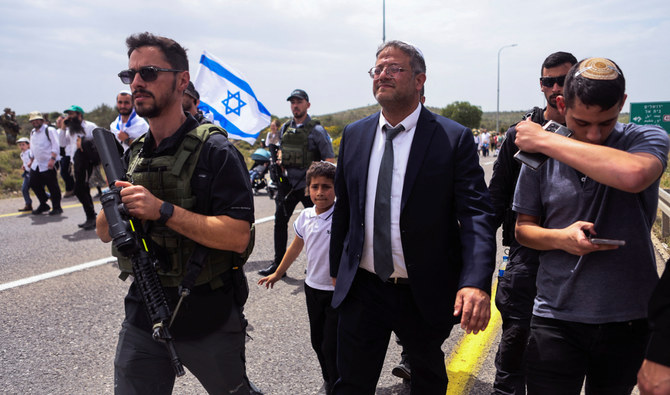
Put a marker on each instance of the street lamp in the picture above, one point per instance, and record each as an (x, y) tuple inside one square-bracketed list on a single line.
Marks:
[(498, 100)]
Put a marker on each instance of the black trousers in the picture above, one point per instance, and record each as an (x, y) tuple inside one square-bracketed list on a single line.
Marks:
[(82, 173), (285, 202), (39, 180), (370, 312), (323, 331), (514, 299), (65, 174), (142, 365), (561, 353)]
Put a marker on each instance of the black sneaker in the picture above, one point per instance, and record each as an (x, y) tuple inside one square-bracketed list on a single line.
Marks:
[(269, 270), (43, 208), (88, 225), (28, 207), (56, 211), (402, 370)]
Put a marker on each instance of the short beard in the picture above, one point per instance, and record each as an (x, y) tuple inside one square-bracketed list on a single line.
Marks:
[(124, 112), (551, 101), (148, 112), (157, 109)]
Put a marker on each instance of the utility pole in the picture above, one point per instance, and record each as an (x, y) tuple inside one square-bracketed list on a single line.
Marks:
[(498, 100), (383, 21)]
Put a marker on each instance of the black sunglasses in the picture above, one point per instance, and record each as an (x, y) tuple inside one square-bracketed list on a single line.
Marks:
[(550, 81), (148, 74)]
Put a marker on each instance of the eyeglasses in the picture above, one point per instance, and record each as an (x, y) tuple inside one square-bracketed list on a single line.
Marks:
[(550, 81), (391, 71), (148, 74)]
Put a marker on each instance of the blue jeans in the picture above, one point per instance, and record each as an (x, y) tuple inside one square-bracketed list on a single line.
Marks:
[(25, 188), (560, 354)]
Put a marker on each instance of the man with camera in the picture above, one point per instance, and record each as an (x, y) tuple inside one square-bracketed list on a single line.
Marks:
[(303, 140), (516, 288), (590, 209), (190, 188), (74, 129)]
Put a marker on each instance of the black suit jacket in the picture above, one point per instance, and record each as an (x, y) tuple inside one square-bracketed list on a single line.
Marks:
[(445, 220)]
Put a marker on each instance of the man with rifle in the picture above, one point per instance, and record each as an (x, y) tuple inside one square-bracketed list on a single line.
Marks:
[(188, 191), (303, 141), (11, 126)]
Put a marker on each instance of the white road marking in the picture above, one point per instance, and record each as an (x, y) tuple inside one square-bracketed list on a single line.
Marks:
[(83, 266), (56, 273)]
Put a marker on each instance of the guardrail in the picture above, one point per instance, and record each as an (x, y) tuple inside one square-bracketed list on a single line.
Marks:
[(664, 206)]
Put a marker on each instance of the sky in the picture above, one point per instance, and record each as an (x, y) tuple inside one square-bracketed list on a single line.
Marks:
[(59, 53)]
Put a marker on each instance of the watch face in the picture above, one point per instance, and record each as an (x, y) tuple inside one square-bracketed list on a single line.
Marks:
[(165, 211)]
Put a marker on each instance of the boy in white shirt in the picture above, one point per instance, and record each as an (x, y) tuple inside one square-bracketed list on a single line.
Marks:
[(27, 158), (312, 229)]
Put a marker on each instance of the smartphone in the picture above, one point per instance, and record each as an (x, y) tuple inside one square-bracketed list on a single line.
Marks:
[(536, 159), (610, 242)]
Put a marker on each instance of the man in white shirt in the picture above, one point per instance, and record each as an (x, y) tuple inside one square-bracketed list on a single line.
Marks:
[(71, 138), (44, 139), (128, 125)]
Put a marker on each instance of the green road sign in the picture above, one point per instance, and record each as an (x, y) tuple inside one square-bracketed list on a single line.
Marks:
[(656, 113)]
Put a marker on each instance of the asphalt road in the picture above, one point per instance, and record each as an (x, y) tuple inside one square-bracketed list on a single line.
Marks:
[(59, 335)]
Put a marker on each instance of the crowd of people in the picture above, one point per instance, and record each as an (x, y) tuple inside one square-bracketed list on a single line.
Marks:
[(488, 143), (389, 249)]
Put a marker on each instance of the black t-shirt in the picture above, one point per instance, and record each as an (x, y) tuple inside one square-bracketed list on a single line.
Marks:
[(506, 171), (230, 194)]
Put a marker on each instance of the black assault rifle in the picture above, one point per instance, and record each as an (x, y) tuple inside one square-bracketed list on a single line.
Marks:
[(128, 237)]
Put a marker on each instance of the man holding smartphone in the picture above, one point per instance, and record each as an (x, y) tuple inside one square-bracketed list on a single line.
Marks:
[(589, 315), (516, 288)]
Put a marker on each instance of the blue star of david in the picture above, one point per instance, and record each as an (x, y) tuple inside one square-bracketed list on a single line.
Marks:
[(229, 108)]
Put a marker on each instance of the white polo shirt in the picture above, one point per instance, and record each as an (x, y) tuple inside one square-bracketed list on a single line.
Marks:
[(314, 230)]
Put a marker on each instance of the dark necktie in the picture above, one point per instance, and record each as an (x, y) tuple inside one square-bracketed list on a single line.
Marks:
[(381, 241)]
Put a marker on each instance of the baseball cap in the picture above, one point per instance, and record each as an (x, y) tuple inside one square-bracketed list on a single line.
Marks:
[(74, 109), (23, 140), (299, 93), (35, 115), (190, 90)]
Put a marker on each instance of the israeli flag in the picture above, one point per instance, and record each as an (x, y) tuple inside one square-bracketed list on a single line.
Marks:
[(228, 101)]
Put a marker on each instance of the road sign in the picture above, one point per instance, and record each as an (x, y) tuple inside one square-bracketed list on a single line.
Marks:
[(656, 113)]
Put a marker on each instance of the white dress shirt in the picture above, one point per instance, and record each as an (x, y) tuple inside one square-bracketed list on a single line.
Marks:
[(135, 127), (69, 141), (43, 148), (401, 147)]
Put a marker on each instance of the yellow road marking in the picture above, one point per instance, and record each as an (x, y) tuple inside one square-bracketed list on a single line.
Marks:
[(467, 358), (28, 212)]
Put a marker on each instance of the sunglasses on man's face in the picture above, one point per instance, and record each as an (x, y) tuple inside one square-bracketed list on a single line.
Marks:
[(550, 81), (148, 74)]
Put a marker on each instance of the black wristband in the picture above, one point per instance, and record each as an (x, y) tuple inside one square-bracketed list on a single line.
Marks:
[(166, 211)]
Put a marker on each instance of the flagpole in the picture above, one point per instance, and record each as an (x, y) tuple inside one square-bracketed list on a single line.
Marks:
[(383, 21)]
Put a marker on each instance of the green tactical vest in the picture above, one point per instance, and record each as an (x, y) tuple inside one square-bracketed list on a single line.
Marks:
[(295, 146), (169, 179)]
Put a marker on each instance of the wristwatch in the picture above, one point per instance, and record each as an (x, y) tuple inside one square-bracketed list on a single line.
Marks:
[(166, 211)]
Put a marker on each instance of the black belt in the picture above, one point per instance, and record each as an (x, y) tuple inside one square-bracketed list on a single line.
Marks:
[(398, 281), (392, 280)]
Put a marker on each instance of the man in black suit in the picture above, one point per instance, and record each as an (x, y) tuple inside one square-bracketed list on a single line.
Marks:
[(433, 222)]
